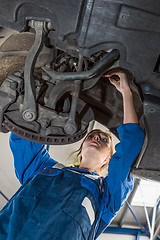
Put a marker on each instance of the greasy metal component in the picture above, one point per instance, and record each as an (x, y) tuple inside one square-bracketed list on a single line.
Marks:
[(29, 104), (47, 116), (71, 127), (49, 140), (57, 92), (50, 122), (29, 115), (97, 71), (64, 62), (7, 96)]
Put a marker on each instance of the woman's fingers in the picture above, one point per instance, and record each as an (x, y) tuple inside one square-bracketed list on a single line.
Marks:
[(114, 82), (119, 74), (119, 80), (114, 78)]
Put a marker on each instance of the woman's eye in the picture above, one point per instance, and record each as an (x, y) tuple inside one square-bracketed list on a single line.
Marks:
[(90, 136), (104, 139)]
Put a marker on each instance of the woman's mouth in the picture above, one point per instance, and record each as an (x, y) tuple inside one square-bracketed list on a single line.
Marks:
[(95, 142)]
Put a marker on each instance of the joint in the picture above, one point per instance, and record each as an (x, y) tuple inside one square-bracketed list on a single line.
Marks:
[(70, 127), (29, 115)]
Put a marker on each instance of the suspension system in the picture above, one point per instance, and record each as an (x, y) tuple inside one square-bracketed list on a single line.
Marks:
[(43, 104)]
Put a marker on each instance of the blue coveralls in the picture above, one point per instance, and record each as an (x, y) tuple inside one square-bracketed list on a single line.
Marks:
[(56, 202)]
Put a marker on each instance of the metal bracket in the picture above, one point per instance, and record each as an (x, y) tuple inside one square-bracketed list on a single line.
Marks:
[(71, 126), (29, 104)]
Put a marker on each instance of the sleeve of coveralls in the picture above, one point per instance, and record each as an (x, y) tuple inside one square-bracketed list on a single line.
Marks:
[(29, 157), (119, 184)]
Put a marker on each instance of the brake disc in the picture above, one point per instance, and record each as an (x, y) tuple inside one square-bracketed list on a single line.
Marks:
[(49, 140)]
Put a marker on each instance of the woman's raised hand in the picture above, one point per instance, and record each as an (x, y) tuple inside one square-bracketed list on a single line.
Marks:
[(130, 115), (121, 82)]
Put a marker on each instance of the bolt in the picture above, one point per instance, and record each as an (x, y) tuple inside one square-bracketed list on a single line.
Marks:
[(31, 24), (29, 115), (70, 128), (49, 26), (44, 122), (14, 85)]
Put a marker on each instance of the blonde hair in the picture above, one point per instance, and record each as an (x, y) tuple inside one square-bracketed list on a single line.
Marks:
[(77, 160)]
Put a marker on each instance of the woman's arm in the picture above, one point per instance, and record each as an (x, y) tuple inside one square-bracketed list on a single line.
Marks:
[(29, 157), (130, 115), (118, 184), (130, 133)]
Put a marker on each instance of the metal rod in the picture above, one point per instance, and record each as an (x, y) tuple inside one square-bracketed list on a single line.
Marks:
[(128, 231), (145, 210), (156, 233), (155, 209), (75, 96), (71, 126), (147, 218), (96, 71), (150, 219), (141, 227), (29, 104), (153, 222), (4, 196), (138, 235), (125, 209)]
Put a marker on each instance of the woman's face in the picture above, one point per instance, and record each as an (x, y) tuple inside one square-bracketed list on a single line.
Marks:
[(95, 150)]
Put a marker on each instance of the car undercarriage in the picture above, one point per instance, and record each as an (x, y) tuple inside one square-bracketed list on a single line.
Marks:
[(53, 57)]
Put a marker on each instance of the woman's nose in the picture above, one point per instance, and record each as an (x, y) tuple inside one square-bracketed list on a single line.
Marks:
[(96, 137)]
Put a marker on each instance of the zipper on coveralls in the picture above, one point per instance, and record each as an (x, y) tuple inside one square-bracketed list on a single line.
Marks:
[(101, 188)]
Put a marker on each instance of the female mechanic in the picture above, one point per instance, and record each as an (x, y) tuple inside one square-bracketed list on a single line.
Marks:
[(73, 203)]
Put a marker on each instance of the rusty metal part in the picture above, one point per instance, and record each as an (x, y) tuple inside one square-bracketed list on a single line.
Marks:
[(71, 127), (29, 104), (97, 71), (49, 140)]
